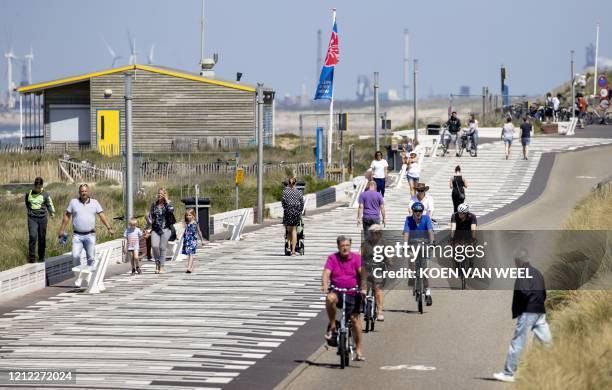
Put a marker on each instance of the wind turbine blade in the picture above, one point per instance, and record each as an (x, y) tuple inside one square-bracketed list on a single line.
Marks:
[(151, 52), (108, 47)]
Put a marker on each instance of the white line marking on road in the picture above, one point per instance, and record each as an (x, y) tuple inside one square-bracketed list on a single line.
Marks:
[(586, 177), (418, 367)]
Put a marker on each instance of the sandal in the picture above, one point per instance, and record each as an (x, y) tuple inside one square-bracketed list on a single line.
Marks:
[(360, 358)]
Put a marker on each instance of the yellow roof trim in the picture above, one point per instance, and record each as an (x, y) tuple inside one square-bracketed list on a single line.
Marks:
[(71, 80), (195, 78), (76, 79)]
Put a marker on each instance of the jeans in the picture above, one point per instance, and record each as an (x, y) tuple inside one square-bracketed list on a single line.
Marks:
[(80, 242), (380, 186), (526, 322), (454, 140), (367, 222), (159, 244), (37, 230)]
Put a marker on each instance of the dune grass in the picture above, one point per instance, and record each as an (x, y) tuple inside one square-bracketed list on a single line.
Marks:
[(581, 320)]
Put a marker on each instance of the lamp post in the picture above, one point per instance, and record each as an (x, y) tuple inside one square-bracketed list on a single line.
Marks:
[(129, 155), (260, 201)]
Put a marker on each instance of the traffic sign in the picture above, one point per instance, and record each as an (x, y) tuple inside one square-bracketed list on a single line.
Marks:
[(239, 176), (603, 93), (602, 81)]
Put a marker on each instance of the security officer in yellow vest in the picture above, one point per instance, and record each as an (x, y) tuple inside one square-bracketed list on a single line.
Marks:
[(38, 202)]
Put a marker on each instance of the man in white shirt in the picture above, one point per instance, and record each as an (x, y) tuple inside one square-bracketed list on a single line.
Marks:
[(422, 197), (556, 105)]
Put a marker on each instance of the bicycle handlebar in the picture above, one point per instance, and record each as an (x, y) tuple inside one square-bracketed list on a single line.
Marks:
[(356, 288)]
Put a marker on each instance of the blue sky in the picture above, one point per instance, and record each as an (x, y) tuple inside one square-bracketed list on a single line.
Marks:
[(274, 41)]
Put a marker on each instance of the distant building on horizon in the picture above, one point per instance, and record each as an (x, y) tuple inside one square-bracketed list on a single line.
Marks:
[(464, 90)]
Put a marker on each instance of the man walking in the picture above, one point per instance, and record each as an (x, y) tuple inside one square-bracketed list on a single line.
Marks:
[(525, 136), (371, 207), (83, 211), (528, 308), (454, 126), (38, 203)]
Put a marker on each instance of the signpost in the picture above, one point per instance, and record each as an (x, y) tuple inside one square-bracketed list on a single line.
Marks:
[(238, 179)]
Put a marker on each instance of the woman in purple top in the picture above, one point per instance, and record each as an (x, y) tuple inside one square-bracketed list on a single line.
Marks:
[(371, 207)]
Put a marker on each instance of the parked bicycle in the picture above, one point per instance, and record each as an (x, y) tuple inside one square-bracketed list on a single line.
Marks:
[(344, 330)]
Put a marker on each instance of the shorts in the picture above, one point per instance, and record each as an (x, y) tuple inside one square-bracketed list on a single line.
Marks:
[(353, 303), (367, 222), (412, 178), (525, 141), (508, 141)]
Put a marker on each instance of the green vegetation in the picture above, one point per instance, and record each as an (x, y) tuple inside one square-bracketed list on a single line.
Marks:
[(581, 321)]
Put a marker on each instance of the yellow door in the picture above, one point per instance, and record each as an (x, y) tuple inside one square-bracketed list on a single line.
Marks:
[(108, 132)]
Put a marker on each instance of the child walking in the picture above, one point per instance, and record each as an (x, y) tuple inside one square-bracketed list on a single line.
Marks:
[(190, 238), (131, 244)]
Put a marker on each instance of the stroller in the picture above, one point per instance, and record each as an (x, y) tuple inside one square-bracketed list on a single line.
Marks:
[(299, 245)]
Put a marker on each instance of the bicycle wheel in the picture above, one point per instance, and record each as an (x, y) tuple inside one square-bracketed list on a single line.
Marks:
[(373, 315), (367, 316), (342, 349), (463, 271), (608, 118), (460, 153), (350, 347), (420, 302)]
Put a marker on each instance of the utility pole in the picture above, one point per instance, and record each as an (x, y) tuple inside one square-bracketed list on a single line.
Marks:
[(596, 55), (573, 99), (406, 63), (260, 168), (301, 132), (484, 103), (129, 155), (416, 120), (377, 142)]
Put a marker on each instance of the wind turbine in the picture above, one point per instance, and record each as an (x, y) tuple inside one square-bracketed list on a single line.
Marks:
[(112, 52), (133, 52), (29, 58), (10, 56), (151, 52)]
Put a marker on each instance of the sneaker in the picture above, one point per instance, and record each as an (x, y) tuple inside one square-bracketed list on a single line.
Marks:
[(138, 270), (500, 376), (162, 270), (133, 271)]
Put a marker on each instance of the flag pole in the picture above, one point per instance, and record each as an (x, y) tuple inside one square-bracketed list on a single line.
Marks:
[(330, 130)]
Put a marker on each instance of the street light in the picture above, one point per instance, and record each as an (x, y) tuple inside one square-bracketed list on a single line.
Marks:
[(129, 156)]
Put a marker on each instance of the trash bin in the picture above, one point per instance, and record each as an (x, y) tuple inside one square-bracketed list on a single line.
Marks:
[(394, 157), (300, 185), (203, 213)]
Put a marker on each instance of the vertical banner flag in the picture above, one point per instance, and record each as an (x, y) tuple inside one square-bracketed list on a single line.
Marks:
[(326, 81)]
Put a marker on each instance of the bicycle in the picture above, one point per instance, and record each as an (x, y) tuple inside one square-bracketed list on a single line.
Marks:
[(418, 290), (445, 139), (344, 329), (463, 266), (467, 143), (369, 312)]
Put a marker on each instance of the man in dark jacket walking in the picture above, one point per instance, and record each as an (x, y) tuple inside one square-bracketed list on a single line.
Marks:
[(38, 202), (528, 308), (454, 127)]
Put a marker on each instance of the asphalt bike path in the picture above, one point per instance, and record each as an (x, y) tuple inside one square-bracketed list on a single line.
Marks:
[(463, 338), (245, 309)]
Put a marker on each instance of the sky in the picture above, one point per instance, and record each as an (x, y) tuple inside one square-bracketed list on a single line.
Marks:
[(457, 42)]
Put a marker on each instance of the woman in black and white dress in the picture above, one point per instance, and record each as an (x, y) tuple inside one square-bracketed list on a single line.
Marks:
[(293, 204)]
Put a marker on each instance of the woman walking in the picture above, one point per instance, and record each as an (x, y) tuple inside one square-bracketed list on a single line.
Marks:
[(161, 219), (413, 171), (293, 204), (379, 171), (458, 185), (507, 135), (190, 238)]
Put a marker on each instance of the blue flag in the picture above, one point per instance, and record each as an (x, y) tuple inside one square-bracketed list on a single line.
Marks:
[(325, 87)]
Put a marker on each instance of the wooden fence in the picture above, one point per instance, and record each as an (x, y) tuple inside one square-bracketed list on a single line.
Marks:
[(169, 172), (27, 171)]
